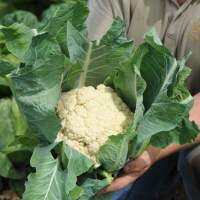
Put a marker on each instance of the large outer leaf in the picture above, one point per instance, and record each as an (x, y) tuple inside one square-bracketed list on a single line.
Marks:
[(160, 70), (37, 85), (153, 83), (20, 16), (56, 17), (12, 127), (48, 183), (94, 62), (18, 39)]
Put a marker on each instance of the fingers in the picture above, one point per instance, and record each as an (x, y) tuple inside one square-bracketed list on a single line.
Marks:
[(139, 164), (121, 182), (194, 112), (133, 170)]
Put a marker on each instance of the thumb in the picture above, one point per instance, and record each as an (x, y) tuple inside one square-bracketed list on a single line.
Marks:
[(134, 166)]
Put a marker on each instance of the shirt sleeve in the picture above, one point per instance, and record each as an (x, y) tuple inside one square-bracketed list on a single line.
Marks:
[(99, 19), (101, 15)]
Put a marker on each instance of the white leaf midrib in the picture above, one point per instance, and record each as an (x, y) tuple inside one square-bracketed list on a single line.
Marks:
[(51, 181), (169, 75), (86, 64)]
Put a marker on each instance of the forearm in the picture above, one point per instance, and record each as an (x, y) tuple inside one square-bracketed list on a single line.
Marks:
[(158, 153), (173, 148)]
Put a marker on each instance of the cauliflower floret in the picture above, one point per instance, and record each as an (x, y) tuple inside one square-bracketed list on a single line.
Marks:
[(89, 116)]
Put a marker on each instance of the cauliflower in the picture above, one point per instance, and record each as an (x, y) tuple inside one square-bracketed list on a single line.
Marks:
[(89, 116)]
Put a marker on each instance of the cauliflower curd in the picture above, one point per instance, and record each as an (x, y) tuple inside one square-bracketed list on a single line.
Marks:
[(89, 116)]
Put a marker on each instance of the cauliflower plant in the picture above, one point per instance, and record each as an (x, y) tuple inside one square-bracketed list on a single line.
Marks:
[(89, 116)]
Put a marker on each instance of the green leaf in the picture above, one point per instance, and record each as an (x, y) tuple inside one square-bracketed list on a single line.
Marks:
[(75, 164), (153, 84), (140, 84), (116, 35), (153, 39), (92, 62), (18, 39), (179, 90), (124, 80), (7, 169), (159, 69), (4, 88), (128, 82), (3, 81), (130, 85), (49, 181), (7, 130), (113, 154), (186, 132), (91, 187), (12, 124), (6, 68), (8, 62), (20, 16), (56, 17), (61, 183), (18, 120), (37, 86), (13, 149), (75, 193), (164, 115)]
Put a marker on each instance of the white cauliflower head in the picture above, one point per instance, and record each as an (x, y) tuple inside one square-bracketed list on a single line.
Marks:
[(89, 116)]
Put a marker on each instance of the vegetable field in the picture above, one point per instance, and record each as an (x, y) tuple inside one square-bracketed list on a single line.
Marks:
[(74, 111)]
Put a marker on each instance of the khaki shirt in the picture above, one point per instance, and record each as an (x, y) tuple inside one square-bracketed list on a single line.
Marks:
[(177, 26)]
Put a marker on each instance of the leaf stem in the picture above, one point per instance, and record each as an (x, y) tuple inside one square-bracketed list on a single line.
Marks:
[(107, 175), (85, 66)]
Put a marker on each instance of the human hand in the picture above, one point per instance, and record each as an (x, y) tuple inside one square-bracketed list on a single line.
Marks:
[(134, 169), (195, 111)]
